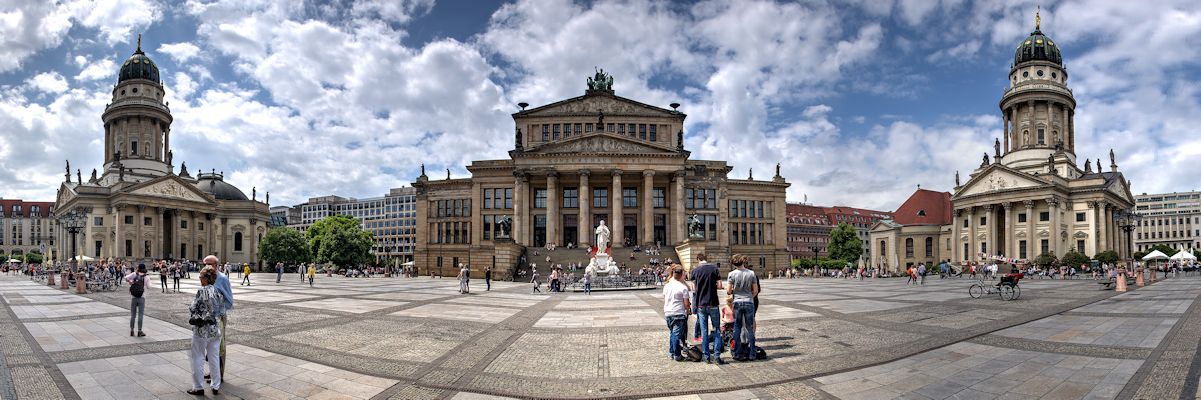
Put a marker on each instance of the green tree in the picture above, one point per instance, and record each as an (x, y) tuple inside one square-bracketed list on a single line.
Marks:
[(1163, 248), (845, 244), (1045, 260), (345, 247), (33, 257), (796, 263), (1074, 259), (1108, 257), (284, 245), (1138, 255), (324, 229)]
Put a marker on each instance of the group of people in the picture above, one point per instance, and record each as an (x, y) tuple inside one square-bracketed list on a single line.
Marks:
[(697, 294), (465, 279)]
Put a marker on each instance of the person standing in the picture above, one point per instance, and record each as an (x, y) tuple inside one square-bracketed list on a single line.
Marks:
[(162, 274), (227, 295), (744, 286), (707, 279), (137, 305), (488, 279), (176, 275), (675, 311), (279, 271), (312, 274), (207, 336), (246, 274), (462, 278), (587, 283)]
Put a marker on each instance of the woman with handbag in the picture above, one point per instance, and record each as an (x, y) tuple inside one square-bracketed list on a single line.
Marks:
[(206, 333)]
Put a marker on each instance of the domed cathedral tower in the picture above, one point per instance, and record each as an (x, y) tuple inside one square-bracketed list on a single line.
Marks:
[(137, 123), (1038, 108)]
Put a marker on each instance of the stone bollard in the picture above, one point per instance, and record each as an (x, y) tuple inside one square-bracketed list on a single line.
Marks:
[(1138, 278), (66, 276), (81, 283), (1121, 280), (49, 279), (1154, 273)]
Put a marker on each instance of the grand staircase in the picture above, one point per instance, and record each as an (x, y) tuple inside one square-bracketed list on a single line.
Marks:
[(565, 257)]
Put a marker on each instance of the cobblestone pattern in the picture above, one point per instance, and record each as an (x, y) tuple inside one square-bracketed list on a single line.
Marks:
[(7, 391), (1171, 371), (36, 383)]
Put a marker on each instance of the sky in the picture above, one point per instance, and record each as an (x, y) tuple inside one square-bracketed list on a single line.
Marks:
[(859, 101)]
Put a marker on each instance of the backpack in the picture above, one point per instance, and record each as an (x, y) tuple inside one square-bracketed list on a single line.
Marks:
[(138, 288), (692, 353)]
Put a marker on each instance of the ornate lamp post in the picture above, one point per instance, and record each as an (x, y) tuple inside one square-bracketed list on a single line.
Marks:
[(73, 222), (1127, 220)]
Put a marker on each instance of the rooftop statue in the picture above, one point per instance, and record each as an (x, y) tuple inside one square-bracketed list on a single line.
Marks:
[(601, 81)]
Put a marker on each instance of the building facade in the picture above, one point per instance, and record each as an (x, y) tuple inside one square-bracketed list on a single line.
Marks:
[(26, 227), (592, 158), (808, 231), (136, 207), (391, 219), (918, 233), (860, 219), (1171, 219)]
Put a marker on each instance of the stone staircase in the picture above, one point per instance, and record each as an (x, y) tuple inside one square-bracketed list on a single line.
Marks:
[(567, 256)]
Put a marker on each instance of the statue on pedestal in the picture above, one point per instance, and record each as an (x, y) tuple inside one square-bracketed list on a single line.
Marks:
[(602, 238)]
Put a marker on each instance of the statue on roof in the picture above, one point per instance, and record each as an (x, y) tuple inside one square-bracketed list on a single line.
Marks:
[(94, 179), (68, 171), (117, 157), (170, 156), (448, 174), (750, 174), (985, 163), (422, 169), (254, 192), (996, 147), (183, 169), (600, 81), (121, 173), (957, 179), (680, 140), (1088, 166), (777, 169), (518, 139), (1112, 161), (79, 176), (600, 121)]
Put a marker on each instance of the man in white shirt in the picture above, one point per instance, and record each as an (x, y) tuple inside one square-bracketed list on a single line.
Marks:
[(676, 308)]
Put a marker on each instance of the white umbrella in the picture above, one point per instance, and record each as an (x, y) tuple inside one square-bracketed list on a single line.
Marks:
[(408, 264), (83, 258), (13, 260), (1155, 255), (1184, 255)]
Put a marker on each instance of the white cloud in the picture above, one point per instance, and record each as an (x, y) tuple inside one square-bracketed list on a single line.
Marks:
[(49, 82), (180, 52), (117, 20), (97, 70)]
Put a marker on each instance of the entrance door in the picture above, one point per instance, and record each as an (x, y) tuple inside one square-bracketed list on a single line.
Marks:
[(630, 230), (168, 222), (539, 230), (571, 229), (660, 229)]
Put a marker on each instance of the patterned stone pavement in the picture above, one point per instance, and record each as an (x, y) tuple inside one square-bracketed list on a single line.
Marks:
[(379, 338)]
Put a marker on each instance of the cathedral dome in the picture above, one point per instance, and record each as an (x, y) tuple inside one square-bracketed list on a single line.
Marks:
[(1037, 47), (214, 184), (138, 66)]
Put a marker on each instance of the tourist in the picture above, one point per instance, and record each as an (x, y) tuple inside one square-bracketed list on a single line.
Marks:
[(301, 270), (162, 274), (675, 311), (246, 274), (744, 286), (279, 271), (488, 279), (464, 278), (137, 305), (206, 334), (921, 271), (176, 274), (227, 295), (587, 283), (707, 280)]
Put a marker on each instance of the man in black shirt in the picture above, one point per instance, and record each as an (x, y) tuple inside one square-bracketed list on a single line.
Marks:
[(707, 279), (488, 279)]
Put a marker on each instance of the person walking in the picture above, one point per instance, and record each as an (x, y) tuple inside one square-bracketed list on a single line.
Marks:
[(302, 271), (488, 279), (743, 284), (463, 278), (587, 283), (176, 274), (921, 271), (707, 279), (162, 274), (675, 311), (206, 333), (227, 295), (137, 305), (279, 271), (246, 274)]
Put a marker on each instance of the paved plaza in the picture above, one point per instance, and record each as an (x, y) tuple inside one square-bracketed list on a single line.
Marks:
[(381, 338)]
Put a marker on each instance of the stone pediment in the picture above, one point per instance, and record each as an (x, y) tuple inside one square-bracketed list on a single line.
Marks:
[(997, 179), (600, 143), (1080, 235), (595, 104), (1119, 188), (172, 188), (65, 194)]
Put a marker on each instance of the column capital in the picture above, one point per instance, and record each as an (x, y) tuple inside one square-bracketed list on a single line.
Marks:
[(648, 173), (617, 172), (957, 212), (988, 207), (585, 172), (1007, 205), (552, 174), (521, 173), (1092, 204), (1029, 204), (679, 174)]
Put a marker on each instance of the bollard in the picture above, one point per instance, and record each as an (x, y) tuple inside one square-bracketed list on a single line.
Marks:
[(1153, 274), (49, 279), (1138, 278), (81, 283), (66, 276), (1121, 280)]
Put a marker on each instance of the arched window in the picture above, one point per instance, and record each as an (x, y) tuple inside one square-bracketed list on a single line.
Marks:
[(929, 247), (1042, 136), (909, 247), (237, 241)]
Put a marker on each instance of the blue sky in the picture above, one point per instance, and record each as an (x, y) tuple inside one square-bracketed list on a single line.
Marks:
[(861, 101)]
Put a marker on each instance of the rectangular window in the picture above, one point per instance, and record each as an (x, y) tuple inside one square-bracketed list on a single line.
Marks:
[(750, 209), (642, 131), (983, 221), (621, 129), (540, 198), (129, 220), (129, 248), (733, 208), (579, 129), (712, 226), (183, 224), (133, 148), (571, 198), (600, 198), (1022, 249), (98, 221), (762, 205), (466, 208), (689, 199), (1022, 217), (487, 227), (659, 197), (1079, 247), (1042, 136), (610, 127), (711, 198), (588, 127), (183, 250), (555, 136), (147, 221), (200, 227), (629, 197), (98, 245), (1045, 246), (498, 199), (633, 130), (545, 133), (509, 198), (487, 198), (1079, 217), (965, 222), (146, 249), (654, 136), (1044, 216)]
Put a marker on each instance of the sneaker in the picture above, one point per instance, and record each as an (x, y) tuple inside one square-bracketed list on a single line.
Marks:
[(719, 361), (679, 358), (196, 392), (216, 392), (140, 334), (130, 333)]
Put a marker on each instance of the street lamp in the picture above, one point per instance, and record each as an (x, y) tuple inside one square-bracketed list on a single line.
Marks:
[(73, 221), (1127, 220)]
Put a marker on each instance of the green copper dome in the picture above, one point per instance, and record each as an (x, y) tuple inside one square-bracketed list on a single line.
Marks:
[(138, 66), (1037, 47)]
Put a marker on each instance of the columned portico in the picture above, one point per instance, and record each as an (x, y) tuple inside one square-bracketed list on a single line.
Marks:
[(617, 218)]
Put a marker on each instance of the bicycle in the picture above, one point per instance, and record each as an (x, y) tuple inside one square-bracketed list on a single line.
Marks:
[(1007, 289)]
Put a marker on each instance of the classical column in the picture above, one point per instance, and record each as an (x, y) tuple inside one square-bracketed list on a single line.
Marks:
[(552, 207), (1033, 127), (520, 209), (971, 235), (1010, 247), (173, 231), (1072, 128), (648, 216), (1005, 130), (1063, 126), (1012, 114), (616, 218), (224, 239), (118, 241), (252, 258), (1031, 250), (1112, 227), (192, 230), (477, 205), (990, 224), (678, 224), (1104, 225), (956, 224), (585, 217), (1055, 241)]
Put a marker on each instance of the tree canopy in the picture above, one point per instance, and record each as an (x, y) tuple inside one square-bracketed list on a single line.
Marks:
[(845, 244), (1108, 257), (1045, 260), (284, 245), (1074, 259), (338, 240)]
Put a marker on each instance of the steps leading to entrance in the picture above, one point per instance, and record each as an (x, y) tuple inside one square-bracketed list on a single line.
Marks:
[(565, 257)]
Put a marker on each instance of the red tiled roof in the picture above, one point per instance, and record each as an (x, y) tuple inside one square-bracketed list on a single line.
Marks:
[(811, 215), (925, 207), (6, 208)]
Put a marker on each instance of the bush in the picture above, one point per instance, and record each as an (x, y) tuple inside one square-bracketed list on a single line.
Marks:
[(1045, 260), (1108, 257), (1074, 259)]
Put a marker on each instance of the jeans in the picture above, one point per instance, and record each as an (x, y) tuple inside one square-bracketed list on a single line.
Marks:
[(137, 308), (744, 318), (710, 317), (176, 283), (279, 276), (206, 348), (675, 325), (588, 288)]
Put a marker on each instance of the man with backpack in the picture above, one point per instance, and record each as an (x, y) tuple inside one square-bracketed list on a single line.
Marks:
[(707, 279), (744, 286), (137, 306)]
